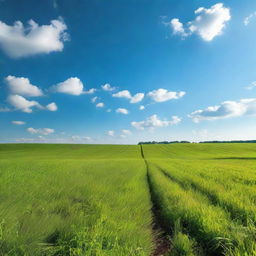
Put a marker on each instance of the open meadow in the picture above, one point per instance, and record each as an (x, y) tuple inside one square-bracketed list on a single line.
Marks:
[(127, 200)]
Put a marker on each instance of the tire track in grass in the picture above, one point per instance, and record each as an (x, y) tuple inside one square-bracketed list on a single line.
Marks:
[(236, 213), (161, 240)]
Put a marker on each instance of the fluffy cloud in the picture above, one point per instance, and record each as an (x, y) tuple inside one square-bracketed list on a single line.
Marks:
[(122, 111), (249, 18), (110, 133), (43, 131), (18, 122), (208, 23), (122, 94), (137, 98), (153, 122), (20, 41), (73, 86), (177, 27), (126, 94), (22, 86), (24, 105), (108, 87), (141, 107), (20, 103), (100, 105), (162, 95), (52, 107), (226, 109)]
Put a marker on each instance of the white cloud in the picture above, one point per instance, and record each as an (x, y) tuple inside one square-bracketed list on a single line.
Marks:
[(153, 122), (72, 85), (100, 105), (251, 86), (248, 19), (123, 94), (126, 94), (52, 107), (110, 133), (43, 131), (24, 105), (141, 107), (226, 109), (108, 87), (20, 103), (18, 122), (22, 86), (126, 132), (177, 27), (20, 41), (162, 95), (137, 98), (122, 111), (90, 91), (208, 23), (94, 99)]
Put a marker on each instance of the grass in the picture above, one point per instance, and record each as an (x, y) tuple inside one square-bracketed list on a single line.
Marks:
[(74, 204), (95, 200)]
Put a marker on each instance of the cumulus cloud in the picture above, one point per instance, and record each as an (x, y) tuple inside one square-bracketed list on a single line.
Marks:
[(18, 40), (22, 104), (126, 94), (100, 105), (43, 131), (137, 98), (108, 87), (72, 85), (153, 122), (110, 133), (122, 94), (248, 19), (162, 95), (177, 27), (123, 111), (141, 107), (52, 107), (208, 23), (18, 122), (22, 86), (226, 109)]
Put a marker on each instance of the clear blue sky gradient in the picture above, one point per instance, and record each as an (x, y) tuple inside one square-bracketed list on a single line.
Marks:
[(124, 43)]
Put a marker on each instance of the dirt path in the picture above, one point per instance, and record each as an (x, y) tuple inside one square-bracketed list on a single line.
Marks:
[(162, 243)]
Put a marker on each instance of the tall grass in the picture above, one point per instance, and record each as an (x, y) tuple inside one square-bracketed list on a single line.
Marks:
[(72, 204), (210, 225)]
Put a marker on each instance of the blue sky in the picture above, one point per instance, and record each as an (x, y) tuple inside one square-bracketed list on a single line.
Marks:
[(190, 64)]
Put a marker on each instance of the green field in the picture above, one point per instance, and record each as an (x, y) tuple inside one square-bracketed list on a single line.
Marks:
[(107, 199)]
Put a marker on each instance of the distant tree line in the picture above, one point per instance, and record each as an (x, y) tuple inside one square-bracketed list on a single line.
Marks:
[(184, 141), (230, 141), (162, 142)]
